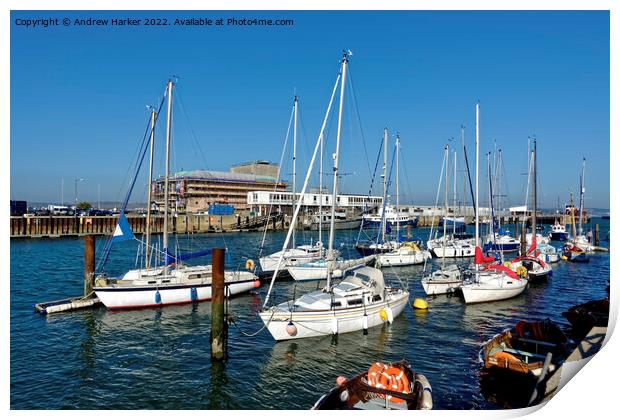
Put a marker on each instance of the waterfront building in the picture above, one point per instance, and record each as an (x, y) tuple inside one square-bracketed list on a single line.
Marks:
[(194, 191)]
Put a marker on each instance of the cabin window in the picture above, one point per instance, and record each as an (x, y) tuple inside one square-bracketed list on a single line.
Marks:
[(376, 298), (354, 301), (336, 304)]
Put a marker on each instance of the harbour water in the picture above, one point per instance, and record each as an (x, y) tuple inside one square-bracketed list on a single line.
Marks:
[(160, 358)]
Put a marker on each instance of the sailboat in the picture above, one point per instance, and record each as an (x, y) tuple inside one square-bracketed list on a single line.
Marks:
[(358, 302), (405, 253), (536, 268), (382, 218), (578, 248), (491, 281), (172, 283), (295, 255), (446, 279), (459, 244)]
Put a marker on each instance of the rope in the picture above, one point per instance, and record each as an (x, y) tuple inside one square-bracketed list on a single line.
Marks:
[(234, 322)]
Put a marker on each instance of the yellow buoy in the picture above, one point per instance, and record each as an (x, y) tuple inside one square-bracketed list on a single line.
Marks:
[(564, 258), (383, 315), (419, 303)]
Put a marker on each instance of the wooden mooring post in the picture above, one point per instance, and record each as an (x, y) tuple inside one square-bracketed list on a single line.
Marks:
[(89, 264), (596, 237), (218, 322)]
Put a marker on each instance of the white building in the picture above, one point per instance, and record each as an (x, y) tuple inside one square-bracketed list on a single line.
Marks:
[(259, 201)]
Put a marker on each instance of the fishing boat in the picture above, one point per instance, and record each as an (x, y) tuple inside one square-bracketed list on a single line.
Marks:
[(174, 282), (294, 255), (405, 253), (558, 231), (361, 300), (489, 281), (522, 350), (393, 386)]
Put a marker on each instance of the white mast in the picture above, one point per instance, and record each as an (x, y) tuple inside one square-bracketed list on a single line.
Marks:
[(383, 218), (149, 196), (294, 159), (166, 176), (397, 196), (330, 249), (303, 191), (477, 152), (582, 192), (454, 200), (445, 207), (321, 196)]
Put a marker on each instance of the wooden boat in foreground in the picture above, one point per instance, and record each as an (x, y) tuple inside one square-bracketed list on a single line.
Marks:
[(392, 386), (523, 349)]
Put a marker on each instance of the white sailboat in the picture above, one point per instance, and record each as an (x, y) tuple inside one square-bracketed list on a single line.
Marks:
[(537, 269), (173, 283), (360, 301), (455, 245), (405, 253), (446, 279), (295, 255), (491, 282)]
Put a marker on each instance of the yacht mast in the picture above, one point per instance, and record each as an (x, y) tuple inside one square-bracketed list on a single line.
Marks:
[(582, 189), (535, 195), (445, 206), (167, 175), (477, 152), (397, 196), (383, 215), (294, 161), (454, 200), (330, 249), (321, 196), (149, 196)]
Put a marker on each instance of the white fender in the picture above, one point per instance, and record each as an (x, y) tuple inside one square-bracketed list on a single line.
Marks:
[(427, 393), (390, 314), (334, 325)]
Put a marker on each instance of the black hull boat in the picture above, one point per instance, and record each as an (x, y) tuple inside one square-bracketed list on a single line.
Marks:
[(384, 387), (588, 315)]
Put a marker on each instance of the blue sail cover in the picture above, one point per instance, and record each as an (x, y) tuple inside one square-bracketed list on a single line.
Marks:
[(123, 231)]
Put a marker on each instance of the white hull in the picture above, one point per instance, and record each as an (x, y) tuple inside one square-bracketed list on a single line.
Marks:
[(320, 323), (441, 282), (492, 287), (304, 273), (292, 257), (454, 251), (127, 296), (398, 259)]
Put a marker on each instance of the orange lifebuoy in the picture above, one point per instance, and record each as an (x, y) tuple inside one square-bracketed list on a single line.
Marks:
[(373, 373), (394, 379)]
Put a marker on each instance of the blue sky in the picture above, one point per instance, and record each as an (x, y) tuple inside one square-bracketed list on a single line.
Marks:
[(78, 95)]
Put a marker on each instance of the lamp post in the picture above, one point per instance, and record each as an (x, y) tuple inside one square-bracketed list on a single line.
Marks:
[(76, 189)]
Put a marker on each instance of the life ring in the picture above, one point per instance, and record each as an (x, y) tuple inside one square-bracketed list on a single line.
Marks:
[(249, 264), (522, 271), (394, 379), (508, 265)]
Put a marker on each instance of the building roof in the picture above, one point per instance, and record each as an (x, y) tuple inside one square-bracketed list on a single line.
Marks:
[(222, 176)]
